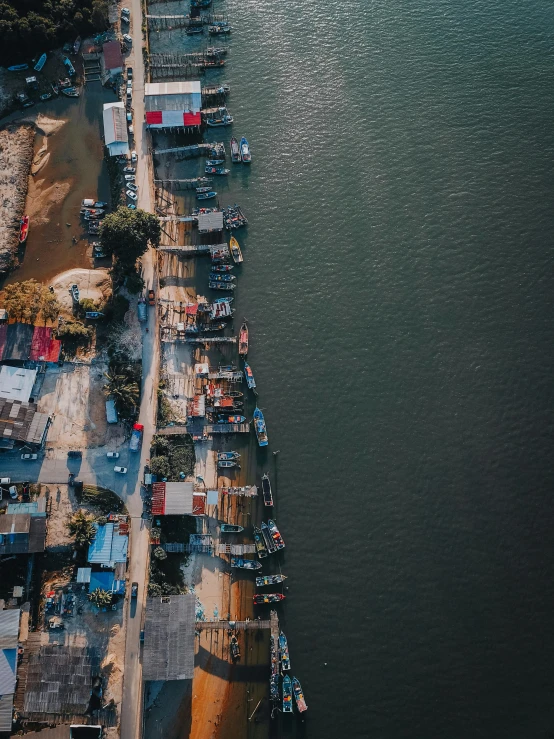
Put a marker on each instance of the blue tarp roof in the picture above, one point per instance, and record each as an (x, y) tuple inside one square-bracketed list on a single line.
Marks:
[(102, 580), (8, 661)]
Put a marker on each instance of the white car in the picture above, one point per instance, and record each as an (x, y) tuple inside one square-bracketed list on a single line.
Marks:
[(129, 117), (131, 195), (131, 130), (127, 39), (13, 492), (112, 455), (121, 470), (130, 177), (134, 156), (29, 456), (131, 170), (132, 187)]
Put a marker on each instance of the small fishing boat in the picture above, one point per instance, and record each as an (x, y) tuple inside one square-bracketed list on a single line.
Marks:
[(243, 340), (198, 189), (234, 394), (283, 651), (231, 419), (262, 598), (227, 455), (226, 367), (191, 30), (219, 30), (101, 204), (220, 171), (298, 695), (221, 285), (266, 490), (77, 45), (18, 67), (287, 694), (231, 528), (249, 376), (40, 64), (70, 67), (227, 464), (46, 96), (235, 151), (275, 534), (222, 277), (74, 290), (221, 121), (93, 314), (264, 580), (221, 267), (70, 92), (245, 564), (235, 649), (245, 155), (259, 543), (260, 428), (206, 195), (23, 229), (270, 544), (214, 162), (224, 300), (55, 89), (233, 217), (235, 250), (206, 328)]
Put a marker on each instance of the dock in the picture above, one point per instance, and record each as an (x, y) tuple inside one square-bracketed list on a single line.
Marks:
[(211, 340), (253, 625), (189, 152), (169, 22), (202, 431), (179, 219), (185, 184), (236, 549), (193, 250), (223, 375)]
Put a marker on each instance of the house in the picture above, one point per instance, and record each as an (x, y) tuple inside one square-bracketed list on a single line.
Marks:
[(9, 635), (177, 499), (113, 59), (169, 638), (22, 533), (17, 383), (21, 423), (109, 546), (115, 129), (173, 104)]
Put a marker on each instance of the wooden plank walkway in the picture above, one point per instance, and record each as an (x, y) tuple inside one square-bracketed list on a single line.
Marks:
[(211, 340), (237, 549), (254, 625), (231, 376), (194, 149), (179, 219), (209, 428), (195, 249), (185, 184)]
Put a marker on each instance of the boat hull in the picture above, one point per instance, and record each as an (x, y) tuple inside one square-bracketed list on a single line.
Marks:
[(23, 229)]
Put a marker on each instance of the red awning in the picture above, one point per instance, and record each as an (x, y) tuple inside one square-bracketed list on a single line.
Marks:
[(154, 117), (192, 309), (192, 119)]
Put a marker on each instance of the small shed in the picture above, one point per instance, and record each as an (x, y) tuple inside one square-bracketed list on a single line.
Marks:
[(83, 575), (111, 412), (115, 129)]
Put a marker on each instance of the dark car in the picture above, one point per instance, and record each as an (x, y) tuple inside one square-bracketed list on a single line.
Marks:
[(134, 590), (75, 453)]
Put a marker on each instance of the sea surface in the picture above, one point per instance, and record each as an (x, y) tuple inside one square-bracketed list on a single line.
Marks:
[(398, 280)]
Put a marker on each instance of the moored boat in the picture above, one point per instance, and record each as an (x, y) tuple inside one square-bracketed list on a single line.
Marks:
[(222, 277), (222, 120), (235, 648), (23, 229), (249, 376), (191, 30), (69, 66), (261, 548), (243, 340), (284, 655), (221, 285), (75, 294), (55, 89), (231, 419), (219, 29), (220, 171), (235, 394), (18, 67), (235, 151), (275, 534), (221, 267), (245, 155), (263, 580), (227, 455), (206, 195), (263, 598), (227, 464), (245, 564), (235, 250), (70, 92), (231, 528), (260, 428), (77, 45), (298, 695), (266, 490), (40, 64), (46, 96), (214, 162), (287, 694), (270, 544)]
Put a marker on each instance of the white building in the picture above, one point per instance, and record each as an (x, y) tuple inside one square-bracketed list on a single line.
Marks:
[(115, 129), (17, 383)]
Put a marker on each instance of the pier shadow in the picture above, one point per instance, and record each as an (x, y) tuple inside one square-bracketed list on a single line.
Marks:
[(237, 672), (170, 715)]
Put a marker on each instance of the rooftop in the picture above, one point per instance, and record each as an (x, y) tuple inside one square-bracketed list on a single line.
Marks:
[(113, 59), (108, 546), (169, 638), (9, 628), (21, 422), (17, 383)]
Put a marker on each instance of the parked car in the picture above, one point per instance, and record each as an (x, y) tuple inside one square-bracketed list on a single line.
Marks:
[(132, 187), (13, 492), (131, 131), (129, 177), (134, 156), (134, 590), (129, 73), (131, 194), (131, 206), (128, 40), (151, 297), (112, 455), (130, 170), (29, 456), (129, 94), (121, 470)]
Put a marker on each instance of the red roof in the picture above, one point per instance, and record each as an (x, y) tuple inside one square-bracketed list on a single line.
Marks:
[(154, 117), (199, 504), (113, 58), (43, 346), (191, 309), (192, 119), (158, 498)]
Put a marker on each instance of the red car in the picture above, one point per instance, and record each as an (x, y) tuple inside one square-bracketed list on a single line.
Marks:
[(151, 298)]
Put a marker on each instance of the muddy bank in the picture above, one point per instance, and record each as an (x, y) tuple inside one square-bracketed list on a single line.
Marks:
[(16, 156)]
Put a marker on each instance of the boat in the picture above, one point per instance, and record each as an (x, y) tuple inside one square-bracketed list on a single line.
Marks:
[(46, 96), (100, 204), (233, 217), (231, 528), (298, 695), (55, 89), (191, 30), (227, 464), (235, 649), (264, 580), (18, 67), (274, 679), (70, 67), (287, 694), (227, 367), (221, 285), (77, 45), (74, 290), (227, 455), (70, 92), (222, 277), (221, 267), (23, 229), (40, 64), (245, 564), (220, 171), (245, 155), (93, 314), (249, 376), (284, 655), (262, 598), (206, 195), (275, 534), (243, 340), (260, 428), (235, 151), (266, 490), (219, 29), (231, 419), (214, 162), (270, 544), (223, 120), (235, 250), (234, 394), (198, 189), (259, 543)]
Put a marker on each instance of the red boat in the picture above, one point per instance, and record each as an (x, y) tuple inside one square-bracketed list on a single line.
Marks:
[(23, 229), (243, 340), (261, 599)]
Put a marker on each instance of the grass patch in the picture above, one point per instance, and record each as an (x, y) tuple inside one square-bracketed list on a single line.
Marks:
[(179, 452), (102, 499)]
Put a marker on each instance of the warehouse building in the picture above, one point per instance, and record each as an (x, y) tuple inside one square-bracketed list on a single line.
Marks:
[(173, 104), (115, 129)]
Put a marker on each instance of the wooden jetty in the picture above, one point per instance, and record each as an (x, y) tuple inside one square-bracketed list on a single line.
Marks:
[(211, 340), (193, 250), (205, 430), (184, 184), (179, 219), (236, 549), (249, 491), (253, 625), (223, 375), (162, 22), (189, 152), (214, 91), (162, 64)]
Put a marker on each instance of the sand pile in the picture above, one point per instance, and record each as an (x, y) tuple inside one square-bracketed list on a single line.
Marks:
[(93, 283), (16, 154)]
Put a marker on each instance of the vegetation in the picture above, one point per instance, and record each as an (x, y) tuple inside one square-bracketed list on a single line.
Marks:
[(80, 526), (127, 233), (159, 553), (175, 455), (100, 598), (28, 25), (166, 576), (165, 411), (176, 529), (116, 309), (134, 283), (76, 331), (101, 498), (26, 301), (124, 391), (87, 304)]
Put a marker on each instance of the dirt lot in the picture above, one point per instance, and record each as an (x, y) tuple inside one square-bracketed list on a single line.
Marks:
[(73, 395)]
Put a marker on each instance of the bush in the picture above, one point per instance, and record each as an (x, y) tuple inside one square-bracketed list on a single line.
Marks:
[(100, 598), (105, 500), (86, 304), (71, 330), (101, 520), (134, 283), (81, 527), (159, 553), (159, 466), (178, 451), (116, 309)]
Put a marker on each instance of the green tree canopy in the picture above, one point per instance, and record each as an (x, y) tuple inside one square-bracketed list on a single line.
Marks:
[(24, 301), (80, 526), (126, 234), (160, 466), (124, 391)]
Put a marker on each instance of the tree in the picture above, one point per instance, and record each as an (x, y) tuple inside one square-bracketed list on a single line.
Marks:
[(154, 590), (102, 520), (100, 598), (160, 466), (23, 300), (124, 391), (86, 304), (73, 331), (159, 553), (126, 234), (50, 308), (99, 16), (80, 526)]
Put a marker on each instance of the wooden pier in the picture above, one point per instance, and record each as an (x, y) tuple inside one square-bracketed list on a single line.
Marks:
[(169, 22), (179, 219), (205, 430), (236, 549), (171, 65), (254, 625), (184, 184), (222, 375), (211, 340), (189, 152), (193, 250)]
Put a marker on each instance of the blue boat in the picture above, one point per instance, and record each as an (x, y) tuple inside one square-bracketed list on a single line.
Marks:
[(40, 64), (259, 427), (284, 652), (92, 314), (18, 67), (70, 67), (245, 155), (249, 376), (227, 456), (287, 694)]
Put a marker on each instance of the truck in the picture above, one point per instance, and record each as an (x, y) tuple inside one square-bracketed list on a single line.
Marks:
[(136, 437), (142, 310)]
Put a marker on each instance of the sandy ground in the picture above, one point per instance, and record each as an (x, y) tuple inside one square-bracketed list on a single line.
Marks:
[(16, 153), (73, 395), (93, 283)]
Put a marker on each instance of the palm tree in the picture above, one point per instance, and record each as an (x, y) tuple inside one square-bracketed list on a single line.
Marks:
[(125, 392), (80, 525)]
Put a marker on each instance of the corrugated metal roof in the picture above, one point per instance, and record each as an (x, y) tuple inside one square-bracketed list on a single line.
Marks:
[(8, 669), (120, 544), (101, 547), (115, 123), (17, 383), (83, 574), (6, 713), (178, 498), (15, 523), (191, 87), (37, 534), (36, 508), (113, 59), (9, 628), (169, 638)]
